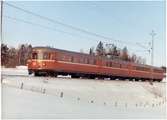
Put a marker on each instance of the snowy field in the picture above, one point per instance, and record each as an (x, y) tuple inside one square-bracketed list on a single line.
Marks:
[(26, 96), (19, 70)]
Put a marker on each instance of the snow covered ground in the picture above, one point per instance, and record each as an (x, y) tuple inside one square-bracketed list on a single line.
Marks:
[(19, 70), (26, 104), (44, 97)]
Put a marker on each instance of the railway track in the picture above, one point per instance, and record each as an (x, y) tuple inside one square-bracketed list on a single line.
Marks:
[(64, 77)]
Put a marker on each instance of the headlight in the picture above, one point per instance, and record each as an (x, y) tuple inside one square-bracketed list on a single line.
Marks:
[(34, 63), (44, 64)]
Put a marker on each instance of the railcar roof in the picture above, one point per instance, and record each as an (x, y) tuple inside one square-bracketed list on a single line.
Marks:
[(85, 54), (55, 49)]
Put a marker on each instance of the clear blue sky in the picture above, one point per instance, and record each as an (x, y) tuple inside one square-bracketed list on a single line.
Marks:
[(125, 21)]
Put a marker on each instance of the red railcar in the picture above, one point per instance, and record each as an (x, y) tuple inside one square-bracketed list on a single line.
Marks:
[(51, 61)]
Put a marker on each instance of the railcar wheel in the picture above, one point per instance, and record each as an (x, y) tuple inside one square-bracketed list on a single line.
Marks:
[(51, 74), (36, 74), (74, 76), (130, 79), (143, 80), (158, 80), (30, 72), (91, 77), (111, 78), (101, 78)]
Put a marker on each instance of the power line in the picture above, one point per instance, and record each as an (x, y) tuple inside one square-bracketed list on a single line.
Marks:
[(152, 47), (69, 26), (49, 28), (57, 30), (45, 27)]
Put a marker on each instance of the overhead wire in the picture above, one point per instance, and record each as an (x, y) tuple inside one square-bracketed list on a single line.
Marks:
[(69, 26), (49, 28), (45, 27)]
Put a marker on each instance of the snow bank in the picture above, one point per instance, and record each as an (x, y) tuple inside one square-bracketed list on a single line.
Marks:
[(100, 91), (47, 97), (19, 70), (22, 67), (19, 104)]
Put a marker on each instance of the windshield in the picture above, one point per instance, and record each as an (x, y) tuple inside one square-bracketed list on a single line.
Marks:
[(46, 56), (36, 55)]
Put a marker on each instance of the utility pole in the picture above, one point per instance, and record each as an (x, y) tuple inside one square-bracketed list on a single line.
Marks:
[(152, 52), (152, 47), (1, 19), (1, 26)]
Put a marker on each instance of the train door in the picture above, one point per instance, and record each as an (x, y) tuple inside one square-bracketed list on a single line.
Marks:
[(130, 67), (99, 64)]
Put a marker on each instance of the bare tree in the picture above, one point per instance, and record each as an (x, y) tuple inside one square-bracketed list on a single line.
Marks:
[(4, 54), (21, 54), (28, 51), (164, 68), (100, 51), (125, 55), (12, 58), (139, 60), (91, 51), (24, 53), (133, 58)]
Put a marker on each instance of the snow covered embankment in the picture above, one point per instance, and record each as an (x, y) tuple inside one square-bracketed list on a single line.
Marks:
[(45, 97), (19, 70), (93, 90)]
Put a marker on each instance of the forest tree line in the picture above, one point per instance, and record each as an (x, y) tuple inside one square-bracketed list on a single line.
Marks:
[(111, 51), (12, 57)]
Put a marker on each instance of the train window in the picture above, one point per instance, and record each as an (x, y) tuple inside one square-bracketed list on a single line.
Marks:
[(63, 58), (72, 59), (52, 56), (55, 56), (139, 68), (110, 64), (88, 61), (147, 69), (94, 62), (157, 71), (106, 63), (81, 60), (46, 56), (123, 66), (142, 68), (66, 58), (84, 60), (76, 60), (34, 56), (116, 65)]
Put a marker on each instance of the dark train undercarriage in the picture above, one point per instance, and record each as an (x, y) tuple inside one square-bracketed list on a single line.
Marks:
[(52, 73)]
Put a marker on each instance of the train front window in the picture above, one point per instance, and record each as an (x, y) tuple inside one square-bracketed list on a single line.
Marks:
[(34, 56), (46, 56)]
